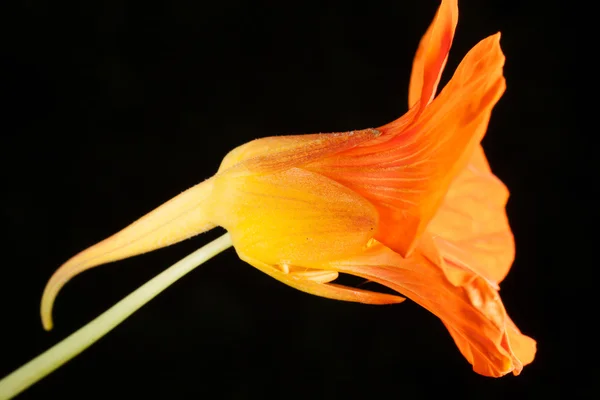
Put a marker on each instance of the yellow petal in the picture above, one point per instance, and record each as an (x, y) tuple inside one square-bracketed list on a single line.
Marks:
[(293, 217), (178, 219)]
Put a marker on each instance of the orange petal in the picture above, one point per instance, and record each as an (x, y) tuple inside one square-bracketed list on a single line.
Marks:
[(432, 55), (294, 217), (180, 218), (474, 314), (471, 229), (278, 153), (407, 176), (318, 288)]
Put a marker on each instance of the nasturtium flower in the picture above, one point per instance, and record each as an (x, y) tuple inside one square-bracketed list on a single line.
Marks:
[(411, 205)]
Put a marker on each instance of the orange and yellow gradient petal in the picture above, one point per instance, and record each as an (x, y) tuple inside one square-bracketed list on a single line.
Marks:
[(412, 205)]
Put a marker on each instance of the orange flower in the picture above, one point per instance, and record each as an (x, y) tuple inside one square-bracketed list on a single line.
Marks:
[(412, 205)]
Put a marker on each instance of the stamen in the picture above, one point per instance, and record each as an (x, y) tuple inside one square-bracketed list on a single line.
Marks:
[(317, 275), (285, 268)]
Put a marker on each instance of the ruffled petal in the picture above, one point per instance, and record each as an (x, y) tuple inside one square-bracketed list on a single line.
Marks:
[(408, 175), (474, 314), (522, 346)]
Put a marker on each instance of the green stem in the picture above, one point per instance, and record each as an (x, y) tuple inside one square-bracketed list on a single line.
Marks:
[(62, 352)]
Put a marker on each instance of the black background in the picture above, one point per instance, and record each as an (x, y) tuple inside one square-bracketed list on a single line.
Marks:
[(110, 108)]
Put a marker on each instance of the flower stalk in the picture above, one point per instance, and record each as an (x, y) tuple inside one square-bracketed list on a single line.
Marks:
[(59, 354)]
